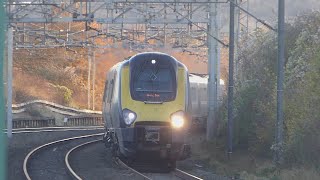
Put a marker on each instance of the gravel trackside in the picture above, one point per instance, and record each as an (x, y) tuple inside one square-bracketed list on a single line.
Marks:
[(95, 162), (21, 144)]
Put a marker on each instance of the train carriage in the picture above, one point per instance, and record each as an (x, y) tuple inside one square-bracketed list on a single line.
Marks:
[(199, 101), (146, 108)]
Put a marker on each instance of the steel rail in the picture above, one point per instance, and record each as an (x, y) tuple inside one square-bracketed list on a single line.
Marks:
[(55, 127), (56, 130), (29, 155), (177, 172), (184, 175), (76, 176), (131, 169), (66, 159)]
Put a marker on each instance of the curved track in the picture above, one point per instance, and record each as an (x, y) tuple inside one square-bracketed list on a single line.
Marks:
[(56, 146), (54, 129), (176, 174), (67, 157), (74, 175)]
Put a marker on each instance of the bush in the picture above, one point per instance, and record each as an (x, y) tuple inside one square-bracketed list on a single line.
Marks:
[(67, 93), (255, 93)]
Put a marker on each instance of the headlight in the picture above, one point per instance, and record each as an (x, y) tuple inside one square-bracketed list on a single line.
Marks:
[(177, 119), (129, 116)]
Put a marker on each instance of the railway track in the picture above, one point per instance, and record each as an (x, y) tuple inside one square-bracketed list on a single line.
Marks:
[(52, 160), (176, 174), (54, 129), (46, 161)]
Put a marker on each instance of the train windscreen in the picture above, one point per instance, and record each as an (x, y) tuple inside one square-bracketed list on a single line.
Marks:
[(153, 79)]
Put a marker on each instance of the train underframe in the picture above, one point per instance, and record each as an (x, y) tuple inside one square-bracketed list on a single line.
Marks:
[(156, 143)]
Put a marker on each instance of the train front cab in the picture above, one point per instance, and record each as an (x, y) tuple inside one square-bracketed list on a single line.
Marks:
[(160, 117)]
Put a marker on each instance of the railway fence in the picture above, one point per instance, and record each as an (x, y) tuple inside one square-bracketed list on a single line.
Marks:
[(84, 120), (34, 122), (72, 116)]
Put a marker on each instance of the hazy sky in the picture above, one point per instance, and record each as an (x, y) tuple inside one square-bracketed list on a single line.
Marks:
[(269, 8)]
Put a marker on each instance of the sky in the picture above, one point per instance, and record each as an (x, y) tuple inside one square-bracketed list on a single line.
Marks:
[(267, 10)]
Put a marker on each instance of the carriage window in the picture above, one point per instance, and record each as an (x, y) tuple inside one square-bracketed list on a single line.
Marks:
[(153, 81)]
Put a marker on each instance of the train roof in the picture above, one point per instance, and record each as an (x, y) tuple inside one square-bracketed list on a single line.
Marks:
[(199, 75), (128, 59), (196, 78), (153, 53), (161, 54)]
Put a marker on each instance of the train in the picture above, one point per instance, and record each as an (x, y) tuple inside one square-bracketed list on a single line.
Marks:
[(147, 108), (199, 99)]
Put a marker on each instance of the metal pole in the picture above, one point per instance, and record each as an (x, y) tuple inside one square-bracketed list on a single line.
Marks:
[(89, 77), (165, 36), (247, 29), (44, 34), (3, 145), (68, 31), (93, 79), (219, 90), (217, 60), (81, 9), (212, 65), (89, 68), (281, 56), (237, 38), (9, 83), (230, 88)]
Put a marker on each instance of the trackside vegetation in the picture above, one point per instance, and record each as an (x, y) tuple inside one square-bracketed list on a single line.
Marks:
[(256, 92), (255, 107)]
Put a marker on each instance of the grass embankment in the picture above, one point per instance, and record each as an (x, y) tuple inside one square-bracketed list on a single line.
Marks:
[(212, 157)]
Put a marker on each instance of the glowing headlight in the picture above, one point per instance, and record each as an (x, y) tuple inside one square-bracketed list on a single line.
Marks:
[(177, 119), (129, 116)]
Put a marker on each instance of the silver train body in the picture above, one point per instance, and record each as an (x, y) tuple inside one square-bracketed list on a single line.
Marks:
[(199, 98)]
